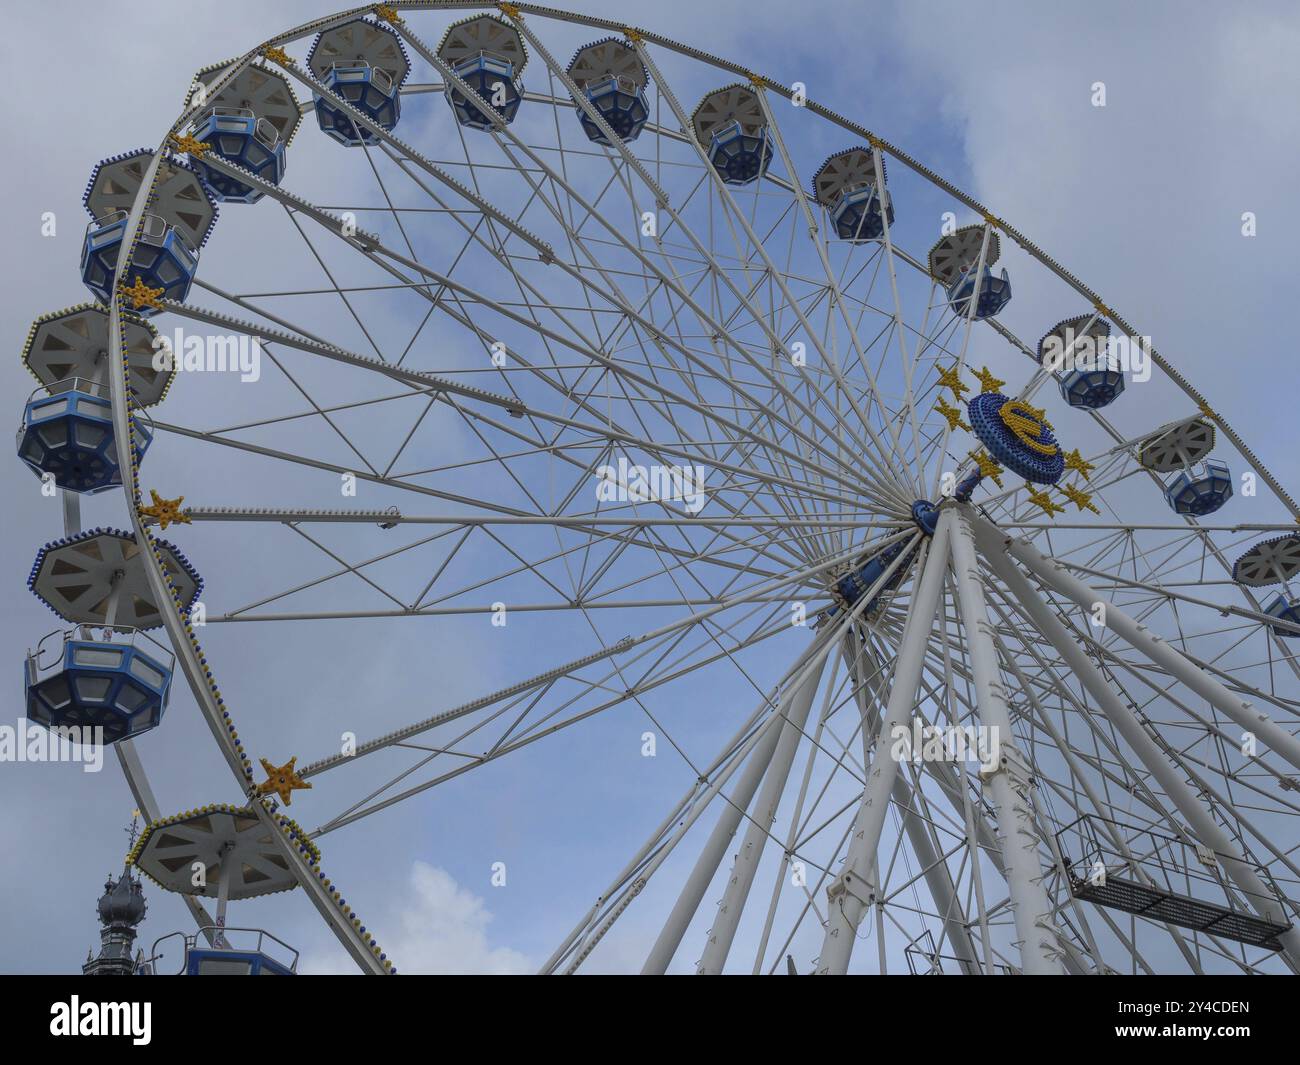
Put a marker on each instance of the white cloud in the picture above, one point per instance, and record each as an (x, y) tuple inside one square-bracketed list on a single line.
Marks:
[(435, 927)]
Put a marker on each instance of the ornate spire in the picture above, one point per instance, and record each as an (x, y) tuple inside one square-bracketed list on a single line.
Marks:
[(121, 908)]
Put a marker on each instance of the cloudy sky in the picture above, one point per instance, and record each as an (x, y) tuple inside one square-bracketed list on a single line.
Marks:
[(1142, 198)]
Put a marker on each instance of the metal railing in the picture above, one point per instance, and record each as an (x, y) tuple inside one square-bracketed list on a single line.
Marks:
[(220, 943)]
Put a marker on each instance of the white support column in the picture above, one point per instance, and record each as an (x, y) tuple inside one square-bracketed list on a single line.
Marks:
[(71, 512), (223, 899), (854, 889), (114, 599), (797, 701), (803, 683), (1008, 784), (811, 661), (938, 878), (1171, 780), (1168, 658)]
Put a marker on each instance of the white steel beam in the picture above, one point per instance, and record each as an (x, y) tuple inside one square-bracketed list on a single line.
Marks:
[(938, 878), (854, 890), (1007, 785), (797, 700), (1171, 781), (811, 662), (1164, 655)]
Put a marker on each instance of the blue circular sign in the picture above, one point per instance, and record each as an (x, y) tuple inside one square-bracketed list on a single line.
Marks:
[(1018, 437)]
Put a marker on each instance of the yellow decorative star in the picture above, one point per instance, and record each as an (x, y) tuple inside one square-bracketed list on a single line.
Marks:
[(283, 780), (1075, 461), (951, 378), (141, 295), (1080, 498), (187, 145), (987, 466), (165, 511), (387, 13), (953, 414), (1042, 499), (277, 55), (988, 383)]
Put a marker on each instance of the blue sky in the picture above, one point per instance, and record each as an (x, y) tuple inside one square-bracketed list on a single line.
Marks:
[(1142, 199)]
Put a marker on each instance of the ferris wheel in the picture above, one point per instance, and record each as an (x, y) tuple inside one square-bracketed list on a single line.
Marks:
[(705, 403)]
